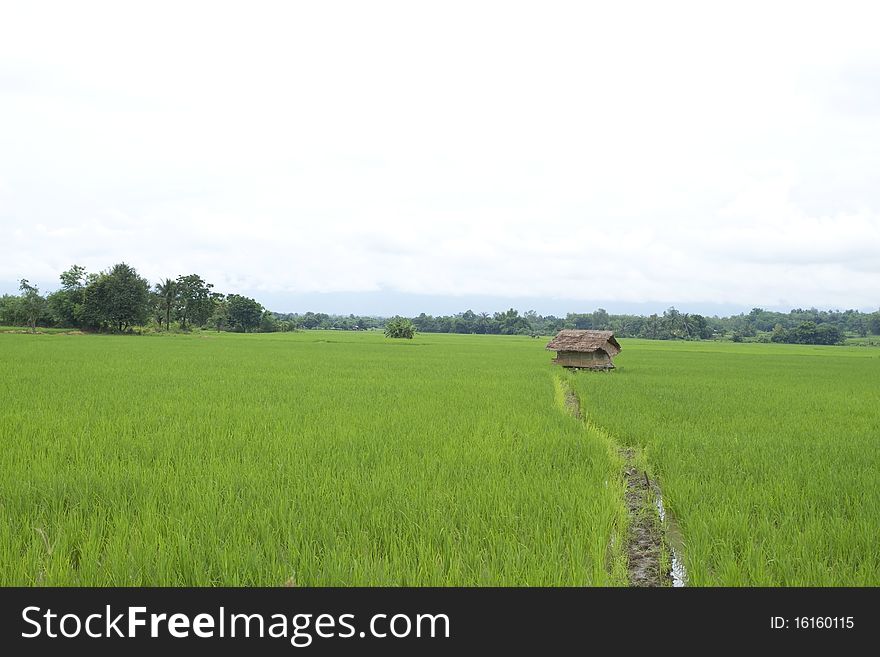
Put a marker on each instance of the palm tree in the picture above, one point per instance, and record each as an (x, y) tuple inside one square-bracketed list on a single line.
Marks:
[(167, 291)]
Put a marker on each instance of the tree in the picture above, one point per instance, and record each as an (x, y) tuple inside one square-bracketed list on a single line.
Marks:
[(62, 308), (156, 312), (828, 334), (117, 299), (699, 327), (167, 292), (32, 304), (194, 300), (808, 333), (511, 323), (874, 323), (65, 305), (673, 324), (424, 323), (805, 333), (244, 313), (219, 319), (399, 327), (601, 319), (10, 311), (465, 322), (779, 334), (74, 278), (485, 324), (579, 320), (309, 321), (268, 324)]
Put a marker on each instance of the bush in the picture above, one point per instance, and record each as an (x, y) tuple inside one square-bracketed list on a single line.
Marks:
[(399, 327)]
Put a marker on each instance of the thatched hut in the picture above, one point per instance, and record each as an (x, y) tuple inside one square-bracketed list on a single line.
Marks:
[(587, 349)]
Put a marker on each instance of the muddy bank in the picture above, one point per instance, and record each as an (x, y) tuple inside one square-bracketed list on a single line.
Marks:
[(572, 404), (653, 557), (645, 538)]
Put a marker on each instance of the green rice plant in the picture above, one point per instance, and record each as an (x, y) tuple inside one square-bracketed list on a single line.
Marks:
[(312, 458), (767, 454)]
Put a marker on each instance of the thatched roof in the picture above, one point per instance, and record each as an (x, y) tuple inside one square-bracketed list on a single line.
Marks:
[(582, 340)]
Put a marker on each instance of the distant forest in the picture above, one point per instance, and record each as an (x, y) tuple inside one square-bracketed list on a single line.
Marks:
[(120, 300), (800, 326)]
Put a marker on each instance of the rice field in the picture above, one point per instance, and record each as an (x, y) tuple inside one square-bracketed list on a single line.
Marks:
[(768, 455), (315, 458), (338, 458)]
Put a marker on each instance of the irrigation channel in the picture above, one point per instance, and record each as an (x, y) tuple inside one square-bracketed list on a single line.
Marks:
[(653, 532)]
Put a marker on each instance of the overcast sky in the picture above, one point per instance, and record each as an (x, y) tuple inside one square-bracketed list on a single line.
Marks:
[(436, 155)]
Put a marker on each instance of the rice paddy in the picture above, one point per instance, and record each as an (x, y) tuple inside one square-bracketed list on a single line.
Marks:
[(306, 459), (768, 455), (338, 458)]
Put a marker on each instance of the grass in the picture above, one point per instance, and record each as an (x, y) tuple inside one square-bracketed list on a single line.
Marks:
[(40, 329), (318, 458), (336, 458), (767, 454), (869, 341)]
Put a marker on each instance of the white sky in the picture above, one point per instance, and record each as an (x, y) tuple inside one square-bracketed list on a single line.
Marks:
[(627, 154)]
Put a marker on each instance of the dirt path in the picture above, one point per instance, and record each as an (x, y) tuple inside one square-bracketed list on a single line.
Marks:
[(573, 404), (645, 545)]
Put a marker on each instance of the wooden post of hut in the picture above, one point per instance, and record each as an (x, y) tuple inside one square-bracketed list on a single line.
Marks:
[(590, 350)]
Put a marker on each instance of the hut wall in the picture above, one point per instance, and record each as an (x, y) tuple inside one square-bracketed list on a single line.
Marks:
[(588, 359)]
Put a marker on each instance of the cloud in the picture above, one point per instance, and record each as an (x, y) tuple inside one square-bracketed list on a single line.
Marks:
[(648, 154)]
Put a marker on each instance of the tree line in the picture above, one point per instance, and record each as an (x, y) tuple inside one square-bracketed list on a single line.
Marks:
[(797, 326), (120, 300), (800, 326)]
